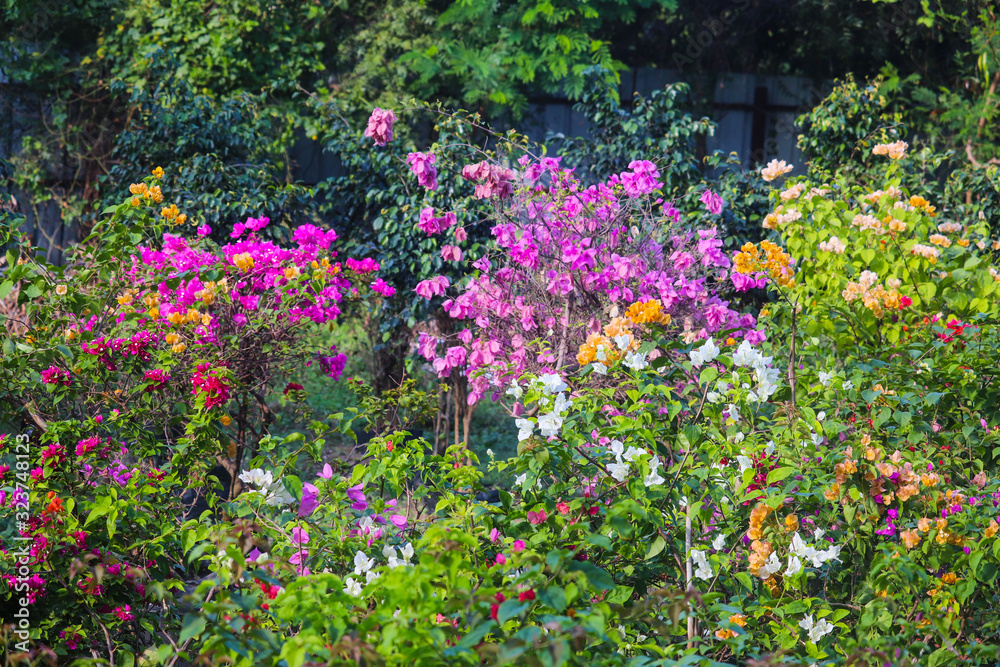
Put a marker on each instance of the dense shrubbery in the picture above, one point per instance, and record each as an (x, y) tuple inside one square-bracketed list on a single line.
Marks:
[(813, 482)]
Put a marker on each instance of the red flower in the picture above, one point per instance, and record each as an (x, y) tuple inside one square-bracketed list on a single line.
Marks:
[(904, 302), (537, 517), (526, 595), (563, 508)]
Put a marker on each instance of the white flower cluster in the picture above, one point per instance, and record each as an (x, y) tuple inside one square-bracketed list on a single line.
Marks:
[(704, 354), (765, 376), (619, 469), (816, 629), (405, 551), (274, 492), (816, 556), (550, 423), (704, 570)]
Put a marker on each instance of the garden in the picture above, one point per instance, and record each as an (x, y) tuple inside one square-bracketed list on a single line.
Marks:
[(482, 397)]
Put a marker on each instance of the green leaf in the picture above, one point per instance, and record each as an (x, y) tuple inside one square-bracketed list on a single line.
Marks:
[(655, 548), (779, 474), (510, 609), (193, 626), (477, 633), (597, 577), (554, 597)]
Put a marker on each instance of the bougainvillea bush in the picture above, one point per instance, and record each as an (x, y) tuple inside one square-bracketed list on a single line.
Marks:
[(813, 483), (136, 379)]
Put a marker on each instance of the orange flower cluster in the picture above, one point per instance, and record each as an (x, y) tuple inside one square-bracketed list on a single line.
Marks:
[(172, 213), (605, 349), (146, 192), (876, 298), (911, 538), (916, 201), (758, 515), (645, 312), (774, 261), (55, 504), (597, 348), (735, 619), (760, 552)]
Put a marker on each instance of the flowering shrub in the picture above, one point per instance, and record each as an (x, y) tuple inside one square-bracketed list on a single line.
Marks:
[(565, 252), (141, 367), (689, 486)]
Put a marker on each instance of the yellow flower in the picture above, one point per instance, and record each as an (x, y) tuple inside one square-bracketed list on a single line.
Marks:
[(597, 347), (135, 201), (991, 529), (774, 169), (138, 188), (911, 538), (940, 240), (963, 242), (206, 319), (172, 338), (61, 290), (158, 172), (154, 313), (949, 577), (155, 194), (292, 272), (181, 219), (791, 523), (176, 318), (226, 420), (169, 212), (178, 348), (70, 334), (924, 525), (895, 150), (643, 312), (738, 619), (243, 261), (125, 299)]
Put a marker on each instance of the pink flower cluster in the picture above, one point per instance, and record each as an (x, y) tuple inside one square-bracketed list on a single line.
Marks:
[(382, 287), (432, 287), (380, 126), (642, 179), (566, 252), (157, 379), (430, 225), (205, 382), (55, 375), (332, 364), (422, 164), (253, 224), (137, 345), (366, 265), (491, 180)]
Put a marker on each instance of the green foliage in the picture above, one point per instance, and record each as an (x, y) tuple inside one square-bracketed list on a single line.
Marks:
[(838, 134), (658, 126), (219, 153)]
